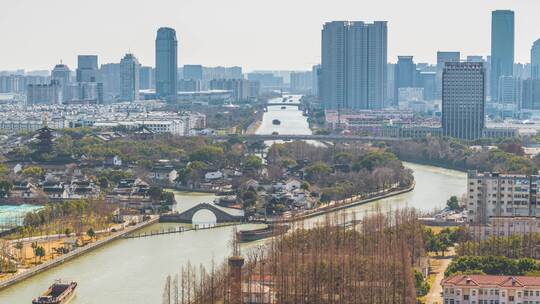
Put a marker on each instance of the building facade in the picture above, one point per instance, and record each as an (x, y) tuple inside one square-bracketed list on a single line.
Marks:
[(87, 68), (354, 65), (502, 204), (405, 72), (62, 74), (44, 93), (315, 79), (240, 88), (442, 58), (491, 289), (535, 60), (502, 48), (147, 78), (530, 95), (110, 75), (129, 78), (463, 100), (166, 64), (301, 81), (193, 72)]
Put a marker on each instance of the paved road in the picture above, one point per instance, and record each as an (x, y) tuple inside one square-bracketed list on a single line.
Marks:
[(434, 295)]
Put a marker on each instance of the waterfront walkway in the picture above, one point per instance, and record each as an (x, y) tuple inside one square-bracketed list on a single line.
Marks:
[(73, 254), (177, 230)]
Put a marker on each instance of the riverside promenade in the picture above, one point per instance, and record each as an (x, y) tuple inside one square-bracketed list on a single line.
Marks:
[(73, 254)]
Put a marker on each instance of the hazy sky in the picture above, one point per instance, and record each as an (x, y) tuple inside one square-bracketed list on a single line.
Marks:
[(255, 34)]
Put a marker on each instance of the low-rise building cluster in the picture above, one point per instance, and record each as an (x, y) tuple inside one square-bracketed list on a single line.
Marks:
[(17, 118)]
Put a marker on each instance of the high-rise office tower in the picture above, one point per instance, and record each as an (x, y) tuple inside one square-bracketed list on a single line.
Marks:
[(129, 78), (502, 48), (463, 100), (110, 75), (166, 64), (61, 73), (429, 83), (87, 68), (405, 73), (354, 65), (147, 78), (535, 60), (442, 58), (530, 97)]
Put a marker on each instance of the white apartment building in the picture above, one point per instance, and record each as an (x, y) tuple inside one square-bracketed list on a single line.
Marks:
[(502, 204), (501, 195), (491, 289)]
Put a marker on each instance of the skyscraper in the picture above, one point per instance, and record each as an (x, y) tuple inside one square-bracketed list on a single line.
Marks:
[(463, 100), (315, 78), (87, 68), (535, 60), (110, 75), (429, 83), (166, 64), (442, 58), (61, 74), (147, 78), (405, 72), (129, 78), (502, 48), (354, 65)]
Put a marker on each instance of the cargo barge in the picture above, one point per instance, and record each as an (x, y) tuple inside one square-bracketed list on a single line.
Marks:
[(263, 233), (58, 293)]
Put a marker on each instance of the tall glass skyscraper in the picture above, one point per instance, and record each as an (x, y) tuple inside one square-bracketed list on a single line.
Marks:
[(502, 48), (62, 73), (166, 64), (354, 65), (129, 78), (535, 60)]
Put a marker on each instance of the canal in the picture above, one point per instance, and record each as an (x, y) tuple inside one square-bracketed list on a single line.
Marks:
[(134, 270)]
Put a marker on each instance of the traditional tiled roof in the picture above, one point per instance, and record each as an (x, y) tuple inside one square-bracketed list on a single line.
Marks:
[(492, 280)]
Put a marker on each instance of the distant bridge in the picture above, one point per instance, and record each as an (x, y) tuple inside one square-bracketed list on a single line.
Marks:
[(187, 216), (254, 137), (283, 104)]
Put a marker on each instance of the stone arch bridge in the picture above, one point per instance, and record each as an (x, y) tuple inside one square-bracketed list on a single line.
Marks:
[(187, 216)]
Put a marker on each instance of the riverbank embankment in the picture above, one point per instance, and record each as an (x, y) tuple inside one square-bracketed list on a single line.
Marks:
[(73, 254), (342, 206)]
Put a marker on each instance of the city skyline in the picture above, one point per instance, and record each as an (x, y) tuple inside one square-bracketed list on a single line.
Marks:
[(258, 40)]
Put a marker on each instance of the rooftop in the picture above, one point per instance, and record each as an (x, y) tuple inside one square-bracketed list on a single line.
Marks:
[(492, 281)]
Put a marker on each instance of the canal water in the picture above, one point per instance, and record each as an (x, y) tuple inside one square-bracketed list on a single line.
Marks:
[(134, 270), (292, 121)]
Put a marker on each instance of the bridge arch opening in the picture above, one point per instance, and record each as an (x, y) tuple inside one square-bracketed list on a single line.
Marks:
[(204, 218)]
